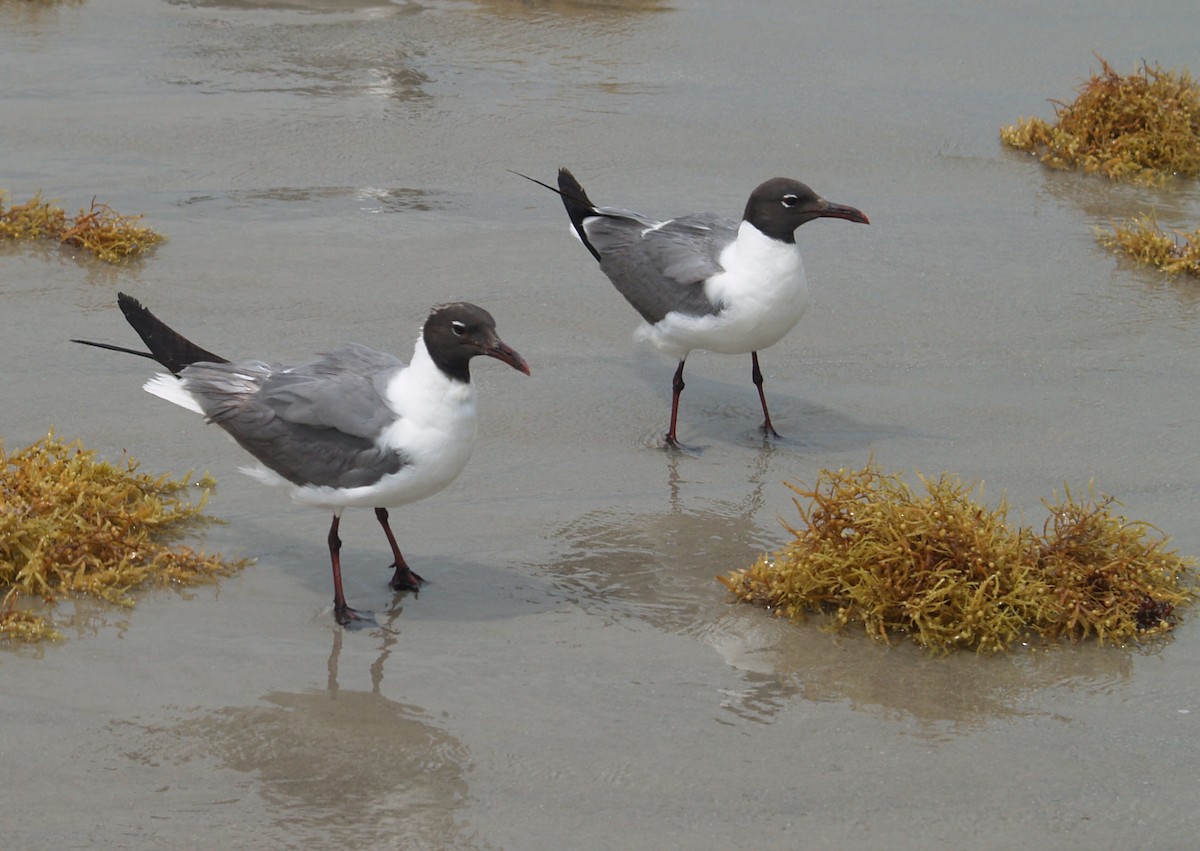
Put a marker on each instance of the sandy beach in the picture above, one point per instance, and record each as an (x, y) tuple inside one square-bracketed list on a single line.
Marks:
[(573, 676)]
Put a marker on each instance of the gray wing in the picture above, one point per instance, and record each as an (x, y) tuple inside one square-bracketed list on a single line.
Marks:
[(313, 424), (660, 267)]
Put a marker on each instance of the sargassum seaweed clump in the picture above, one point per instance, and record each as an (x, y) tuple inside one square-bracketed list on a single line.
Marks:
[(1144, 240), (952, 573), (73, 525), (1142, 127), (101, 230)]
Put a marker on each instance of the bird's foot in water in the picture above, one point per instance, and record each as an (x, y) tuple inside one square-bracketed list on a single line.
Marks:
[(672, 444), (352, 618), (405, 580), (768, 430)]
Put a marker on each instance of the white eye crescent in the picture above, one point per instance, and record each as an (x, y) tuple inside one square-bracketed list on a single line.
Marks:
[(458, 328), (790, 200)]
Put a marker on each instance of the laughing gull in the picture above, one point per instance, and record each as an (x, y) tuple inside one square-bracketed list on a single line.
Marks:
[(703, 281), (355, 428)]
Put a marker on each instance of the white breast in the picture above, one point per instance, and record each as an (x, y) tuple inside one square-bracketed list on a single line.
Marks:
[(762, 294), (435, 431)]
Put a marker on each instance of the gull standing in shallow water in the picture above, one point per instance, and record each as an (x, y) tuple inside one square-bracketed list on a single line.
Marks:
[(355, 428), (703, 281)]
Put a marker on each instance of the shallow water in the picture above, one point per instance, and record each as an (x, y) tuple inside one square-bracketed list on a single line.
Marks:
[(572, 676)]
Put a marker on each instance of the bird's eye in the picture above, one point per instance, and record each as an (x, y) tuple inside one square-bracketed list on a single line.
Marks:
[(458, 328), (790, 200)]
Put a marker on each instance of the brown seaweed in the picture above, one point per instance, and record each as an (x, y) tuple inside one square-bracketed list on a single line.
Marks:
[(1142, 127), (1142, 239), (73, 525), (109, 235), (952, 573)]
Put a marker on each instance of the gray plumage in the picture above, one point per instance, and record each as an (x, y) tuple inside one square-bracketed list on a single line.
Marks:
[(692, 290), (660, 267), (316, 424), (330, 427)]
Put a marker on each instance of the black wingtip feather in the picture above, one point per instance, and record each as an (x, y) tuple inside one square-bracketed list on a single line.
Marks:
[(167, 346), (113, 348), (533, 180), (576, 201), (578, 205)]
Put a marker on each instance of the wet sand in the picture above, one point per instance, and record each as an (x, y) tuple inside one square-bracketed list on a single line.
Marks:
[(572, 676)]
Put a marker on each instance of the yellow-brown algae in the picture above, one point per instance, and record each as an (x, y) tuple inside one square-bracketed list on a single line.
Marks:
[(1143, 127), (952, 573), (112, 237), (73, 525)]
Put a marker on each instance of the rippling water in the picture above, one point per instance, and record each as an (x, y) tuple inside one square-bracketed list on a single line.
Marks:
[(573, 676)]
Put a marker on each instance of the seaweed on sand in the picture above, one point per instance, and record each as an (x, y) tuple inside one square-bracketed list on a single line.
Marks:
[(1141, 128), (35, 219), (108, 234), (1142, 239), (952, 573), (73, 525), (101, 230)]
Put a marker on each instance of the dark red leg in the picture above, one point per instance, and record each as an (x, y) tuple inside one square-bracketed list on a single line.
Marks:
[(403, 579), (677, 386), (757, 378), (343, 613)]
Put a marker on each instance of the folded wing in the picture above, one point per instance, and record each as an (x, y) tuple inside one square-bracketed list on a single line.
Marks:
[(660, 267), (314, 424)]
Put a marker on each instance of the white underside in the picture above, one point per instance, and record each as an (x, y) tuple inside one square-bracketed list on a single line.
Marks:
[(169, 387), (435, 430), (762, 294)]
